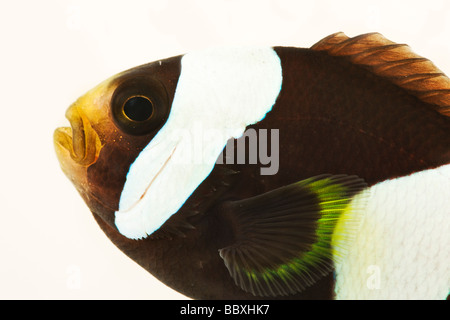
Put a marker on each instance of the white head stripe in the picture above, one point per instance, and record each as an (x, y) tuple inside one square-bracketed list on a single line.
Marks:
[(219, 93)]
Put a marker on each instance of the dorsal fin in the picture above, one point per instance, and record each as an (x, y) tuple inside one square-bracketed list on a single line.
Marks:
[(395, 62), (289, 238)]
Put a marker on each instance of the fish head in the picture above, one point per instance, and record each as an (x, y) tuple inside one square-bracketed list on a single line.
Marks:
[(109, 127), (143, 141)]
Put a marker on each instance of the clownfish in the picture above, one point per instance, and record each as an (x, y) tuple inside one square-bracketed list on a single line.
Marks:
[(273, 172)]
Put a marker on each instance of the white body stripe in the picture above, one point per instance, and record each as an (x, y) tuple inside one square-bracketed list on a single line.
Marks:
[(402, 249), (219, 93)]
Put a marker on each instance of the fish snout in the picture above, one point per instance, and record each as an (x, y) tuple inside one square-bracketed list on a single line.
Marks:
[(80, 141)]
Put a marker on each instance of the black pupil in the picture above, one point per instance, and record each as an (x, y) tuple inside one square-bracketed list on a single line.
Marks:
[(138, 108)]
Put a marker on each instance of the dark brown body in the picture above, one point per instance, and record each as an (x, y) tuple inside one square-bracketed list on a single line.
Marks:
[(333, 117)]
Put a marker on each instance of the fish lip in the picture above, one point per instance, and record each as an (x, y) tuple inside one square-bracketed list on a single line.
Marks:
[(80, 140), (63, 137)]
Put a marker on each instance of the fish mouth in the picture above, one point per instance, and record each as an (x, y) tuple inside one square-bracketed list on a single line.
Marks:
[(80, 140)]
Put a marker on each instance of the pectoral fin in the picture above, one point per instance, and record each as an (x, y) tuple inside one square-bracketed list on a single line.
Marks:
[(287, 239)]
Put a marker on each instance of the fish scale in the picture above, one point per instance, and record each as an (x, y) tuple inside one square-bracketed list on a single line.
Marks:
[(418, 271)]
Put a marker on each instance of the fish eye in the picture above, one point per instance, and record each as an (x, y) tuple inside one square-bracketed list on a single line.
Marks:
[(139, 104), (138, 108)]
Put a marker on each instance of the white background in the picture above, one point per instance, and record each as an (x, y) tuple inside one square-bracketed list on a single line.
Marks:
[(54, 51)]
